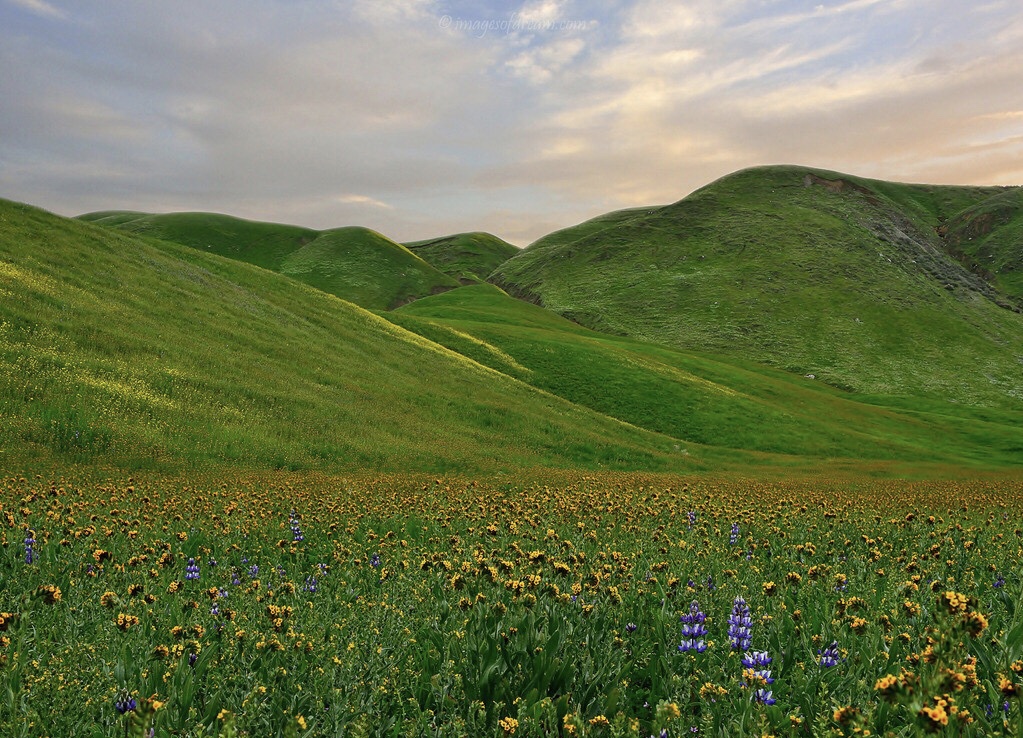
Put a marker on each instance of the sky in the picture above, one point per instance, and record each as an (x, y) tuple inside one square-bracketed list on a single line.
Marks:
[(420, 118)]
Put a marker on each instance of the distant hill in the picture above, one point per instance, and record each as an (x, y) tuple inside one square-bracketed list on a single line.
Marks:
[(468, 257), (356, 264), (877, 287), (137, 353)]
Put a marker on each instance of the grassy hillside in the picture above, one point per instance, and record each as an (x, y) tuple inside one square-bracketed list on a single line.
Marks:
[(703, 398), (468, 257), (988, 239), (138, 353), (814, 272), (354, 263)]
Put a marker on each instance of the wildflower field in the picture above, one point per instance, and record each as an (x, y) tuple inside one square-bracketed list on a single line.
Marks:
[(548, 604)]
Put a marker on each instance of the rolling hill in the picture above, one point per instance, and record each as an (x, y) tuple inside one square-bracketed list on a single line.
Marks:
[(881, 288), (136, 353), (780, 316), (703, 398), (353, 263), (468, 257)]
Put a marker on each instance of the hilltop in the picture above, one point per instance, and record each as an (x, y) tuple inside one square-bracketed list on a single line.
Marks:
[(354, 263), (880, 288), (468, 257)]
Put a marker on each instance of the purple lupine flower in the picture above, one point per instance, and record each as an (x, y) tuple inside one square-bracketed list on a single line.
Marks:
[(734, 537), (125, 703), (310, 584), (374, 560), (989, 710), (253, 571), (758, 662), (631, 628), (192, 570), (192, 658), (692, 517), (296, 530), (710, 583), (740, 626), (999, 582), (693, 630), (829, 656), (30, 542)]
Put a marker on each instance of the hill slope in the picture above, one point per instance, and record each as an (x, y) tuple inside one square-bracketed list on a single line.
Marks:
[(355, 264), (143, 353), (818, 273), (698, 397), (988, 239), (468, 257)]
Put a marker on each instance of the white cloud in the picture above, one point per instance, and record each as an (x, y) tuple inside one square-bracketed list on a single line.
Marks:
[(364, 200), (539, 13), (391, 11), (40, 7), (375, 113), (542, 63)]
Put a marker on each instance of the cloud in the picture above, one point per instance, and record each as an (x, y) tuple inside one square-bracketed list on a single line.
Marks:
[(541, 64), (687, 93), (364, 200), (386, 115), (539, 13), (40, 7)]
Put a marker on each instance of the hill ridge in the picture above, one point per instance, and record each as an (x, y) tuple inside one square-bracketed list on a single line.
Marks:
[(354, 263), (142, 353), (772, 264)]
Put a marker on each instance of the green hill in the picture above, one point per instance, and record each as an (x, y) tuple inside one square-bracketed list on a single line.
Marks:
[(354, 263), (988, 239), (865, 285), (702, 398), (468, 257), (138, 353)]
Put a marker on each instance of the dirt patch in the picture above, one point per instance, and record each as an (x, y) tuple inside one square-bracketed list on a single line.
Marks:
[(838, 186)]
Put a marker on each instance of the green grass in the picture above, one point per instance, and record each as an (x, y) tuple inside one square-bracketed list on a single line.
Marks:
[(468, 257), (989, 239), (353, 263), (809, 271), (702, 398), (677, 337), (137, 353)]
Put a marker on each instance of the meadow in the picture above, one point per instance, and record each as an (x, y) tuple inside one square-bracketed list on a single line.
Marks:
[(541, 604)]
